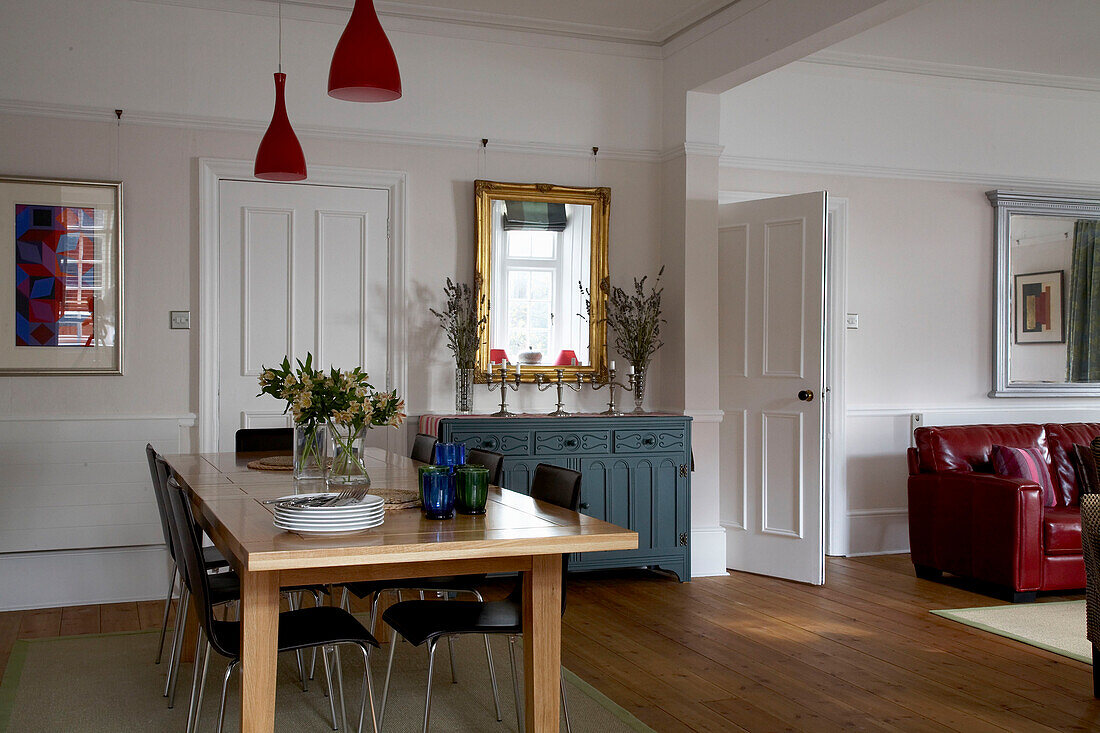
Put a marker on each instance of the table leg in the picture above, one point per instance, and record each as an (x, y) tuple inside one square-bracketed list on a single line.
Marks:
[(542, 642), (259, 632)]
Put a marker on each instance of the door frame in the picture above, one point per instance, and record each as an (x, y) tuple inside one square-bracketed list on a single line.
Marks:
[(836, 411), (211, 171)]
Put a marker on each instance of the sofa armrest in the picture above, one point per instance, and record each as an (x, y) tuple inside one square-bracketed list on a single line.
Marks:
[(979, 525)]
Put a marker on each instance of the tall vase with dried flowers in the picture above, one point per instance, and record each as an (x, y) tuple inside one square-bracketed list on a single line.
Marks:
[(459, 319), (635, 319)]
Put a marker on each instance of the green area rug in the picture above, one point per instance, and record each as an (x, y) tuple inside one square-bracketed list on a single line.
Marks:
[(108, 683), (1058, 627)]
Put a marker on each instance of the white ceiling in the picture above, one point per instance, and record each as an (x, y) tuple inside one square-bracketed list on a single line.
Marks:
[(1044, 37)]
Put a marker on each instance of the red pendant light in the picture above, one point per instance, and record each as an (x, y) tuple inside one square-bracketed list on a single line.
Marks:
[(364, 68), (280, 156)]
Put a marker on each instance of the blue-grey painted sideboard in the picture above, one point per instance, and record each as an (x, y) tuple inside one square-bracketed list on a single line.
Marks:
[(637, 474)]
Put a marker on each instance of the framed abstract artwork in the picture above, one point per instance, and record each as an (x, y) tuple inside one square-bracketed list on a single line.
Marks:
[(1040, 312), (60, 277)]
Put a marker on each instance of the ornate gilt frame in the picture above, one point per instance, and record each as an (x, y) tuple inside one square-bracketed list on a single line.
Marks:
[(600, 200)]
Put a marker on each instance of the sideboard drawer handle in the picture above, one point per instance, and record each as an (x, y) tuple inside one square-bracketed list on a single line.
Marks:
[(584, 505), (489, 443), (649, 440), (570, 442)]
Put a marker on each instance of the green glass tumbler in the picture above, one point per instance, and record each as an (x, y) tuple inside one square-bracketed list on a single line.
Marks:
[(471, 489)]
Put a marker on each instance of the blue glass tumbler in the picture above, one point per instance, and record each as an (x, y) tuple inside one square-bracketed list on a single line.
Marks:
[(438, 492), (450, 454)]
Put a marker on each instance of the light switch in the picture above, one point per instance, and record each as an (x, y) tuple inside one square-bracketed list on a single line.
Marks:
[(179, 319), (851, 320)]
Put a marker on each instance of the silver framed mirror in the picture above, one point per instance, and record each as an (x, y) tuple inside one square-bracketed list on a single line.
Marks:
[(1046, 313)]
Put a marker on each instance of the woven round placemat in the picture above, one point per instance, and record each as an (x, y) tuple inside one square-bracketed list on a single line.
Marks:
[(397, 498), (273, 463)]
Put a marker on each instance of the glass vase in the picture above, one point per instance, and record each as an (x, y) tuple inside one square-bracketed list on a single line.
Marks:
[(346, 466), (464, 387), (639, 387), (310, 450)]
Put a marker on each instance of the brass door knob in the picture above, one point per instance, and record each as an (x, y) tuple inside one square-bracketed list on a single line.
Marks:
[(806, 395)]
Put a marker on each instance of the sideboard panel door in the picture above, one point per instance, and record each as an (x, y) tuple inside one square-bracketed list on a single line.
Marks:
[(635, 471)]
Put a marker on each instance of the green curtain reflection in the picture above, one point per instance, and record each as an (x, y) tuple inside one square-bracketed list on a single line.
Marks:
[(1083, 329)]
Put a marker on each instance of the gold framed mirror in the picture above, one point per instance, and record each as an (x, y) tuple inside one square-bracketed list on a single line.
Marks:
[(537, 244)]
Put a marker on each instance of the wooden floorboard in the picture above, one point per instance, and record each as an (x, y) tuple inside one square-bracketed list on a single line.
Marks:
[(750, 653)]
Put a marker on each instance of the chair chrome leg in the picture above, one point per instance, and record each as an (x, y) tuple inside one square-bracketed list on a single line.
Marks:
[(565, 703), (194, 726), (174, 663), (177, 639), (386, 687), (313, 652), (328, 683), (368, 692), (225, 688), (515, 683), (451, 651), (492, 676), (195, 682), (374, 613), (428, 696), (167, 612), (345, 599), (340, 687)]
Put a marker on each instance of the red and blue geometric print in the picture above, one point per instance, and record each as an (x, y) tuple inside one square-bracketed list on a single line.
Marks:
[(56, 274)]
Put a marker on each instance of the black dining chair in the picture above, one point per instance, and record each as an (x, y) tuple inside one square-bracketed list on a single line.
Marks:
[(212, 560), (225, 587), (420, 622), (304, 628), (423, 448), (492, 461), (255, 440)]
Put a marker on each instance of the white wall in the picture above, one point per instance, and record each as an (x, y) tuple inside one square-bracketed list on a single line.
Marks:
[(198, 83), (913, 157)]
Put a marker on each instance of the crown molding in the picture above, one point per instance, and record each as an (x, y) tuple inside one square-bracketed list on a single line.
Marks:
[(952, 71), (382, 137), (476, 25), (992, 180)]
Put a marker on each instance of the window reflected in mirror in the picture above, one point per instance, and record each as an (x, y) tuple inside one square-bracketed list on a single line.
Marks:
[(545, 257)]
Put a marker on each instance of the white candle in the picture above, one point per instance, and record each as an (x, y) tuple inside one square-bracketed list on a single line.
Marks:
[(612, 366), (631, 368), (518, 368)]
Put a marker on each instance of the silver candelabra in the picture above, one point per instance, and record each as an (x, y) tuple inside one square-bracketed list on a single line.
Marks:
[(611, 384), (504, 383), (560, 383)]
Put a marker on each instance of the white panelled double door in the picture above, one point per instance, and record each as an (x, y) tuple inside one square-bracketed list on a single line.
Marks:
[(303, 268)]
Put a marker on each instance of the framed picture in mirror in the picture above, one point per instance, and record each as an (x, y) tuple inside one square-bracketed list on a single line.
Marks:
[(1040, 317)]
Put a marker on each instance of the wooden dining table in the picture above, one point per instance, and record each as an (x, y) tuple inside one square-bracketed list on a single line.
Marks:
[(516, 534)]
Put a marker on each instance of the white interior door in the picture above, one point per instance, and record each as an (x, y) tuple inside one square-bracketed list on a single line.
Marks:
[(302, 269), (771, 260)]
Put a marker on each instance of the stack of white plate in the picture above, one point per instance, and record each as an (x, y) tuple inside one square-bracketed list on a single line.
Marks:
[(307, 514)]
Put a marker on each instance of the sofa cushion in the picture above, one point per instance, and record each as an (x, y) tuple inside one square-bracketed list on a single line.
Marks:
[(1060, 441), (1062, 531), (1025, 463), (970, 447), (1084, 466)]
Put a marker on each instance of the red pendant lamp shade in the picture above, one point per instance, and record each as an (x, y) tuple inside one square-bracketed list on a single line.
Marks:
[(280, 157), (363, 67)]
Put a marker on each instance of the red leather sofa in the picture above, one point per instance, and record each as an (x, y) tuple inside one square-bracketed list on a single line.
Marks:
[(965, 520)]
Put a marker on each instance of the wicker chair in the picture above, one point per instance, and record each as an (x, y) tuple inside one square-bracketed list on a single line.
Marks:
[(1090, 541)]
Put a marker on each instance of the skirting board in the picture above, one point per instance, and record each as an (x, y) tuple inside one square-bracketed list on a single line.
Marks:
[(708, 552), (81, 577), (878, 531)]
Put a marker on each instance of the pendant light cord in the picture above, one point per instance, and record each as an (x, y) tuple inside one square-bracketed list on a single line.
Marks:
[(280, 38)]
